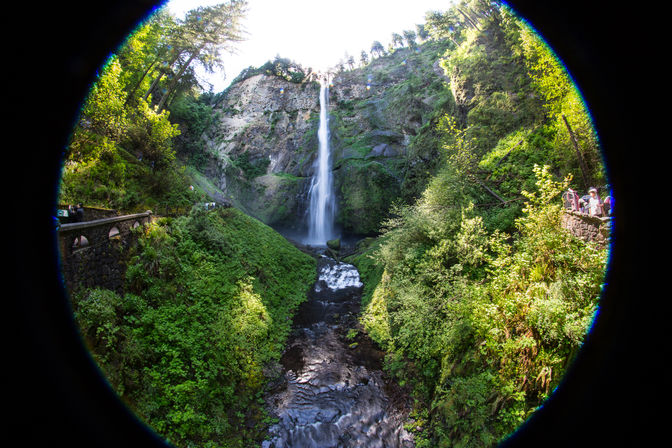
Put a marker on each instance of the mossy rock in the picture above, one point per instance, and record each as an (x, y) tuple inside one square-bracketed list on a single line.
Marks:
[(367, 189), (334, 244)]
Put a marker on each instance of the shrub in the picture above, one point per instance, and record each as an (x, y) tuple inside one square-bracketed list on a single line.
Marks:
[(481, 324), (209, 302)]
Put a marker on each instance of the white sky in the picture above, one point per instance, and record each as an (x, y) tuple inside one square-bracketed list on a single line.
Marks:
[(314, 33)]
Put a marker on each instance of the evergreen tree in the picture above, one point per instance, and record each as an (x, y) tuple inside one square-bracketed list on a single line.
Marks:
[(204, 34), (350, 60), (409, 37), (397, 40), (421, 32), (364, 58), (444, 26), (377, 48), (145, 53)]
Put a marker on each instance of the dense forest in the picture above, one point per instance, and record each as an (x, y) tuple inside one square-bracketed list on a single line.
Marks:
[(122, 153), (482, 307), (478, 296)]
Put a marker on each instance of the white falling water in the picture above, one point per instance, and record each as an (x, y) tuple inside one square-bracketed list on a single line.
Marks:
[(321, 208)]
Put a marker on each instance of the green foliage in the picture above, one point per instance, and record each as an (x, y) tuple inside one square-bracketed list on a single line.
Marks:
[(409, 37), (281, 67), (120, 154), (366, 195), (377, 48), (424, 151), (477, 293), (199, 38), (375, 317), (251, 168), (194, 116), (104, 112), (209, 302), (562, 100), (457, 21), (482, 329), (151, 136), (490, 77), (145, 51), (512, 98)]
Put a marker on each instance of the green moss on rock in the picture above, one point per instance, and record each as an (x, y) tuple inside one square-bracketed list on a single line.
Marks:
[(366, 189)]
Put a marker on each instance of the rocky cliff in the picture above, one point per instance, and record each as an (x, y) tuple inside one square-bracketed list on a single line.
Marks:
[(378, 113), (264, 138)]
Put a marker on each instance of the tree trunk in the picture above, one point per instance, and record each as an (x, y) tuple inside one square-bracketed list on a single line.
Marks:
[(578, 152), (142, 78), (469, 19), (177, 77), (161, 75), (502, 200), (153, 86)]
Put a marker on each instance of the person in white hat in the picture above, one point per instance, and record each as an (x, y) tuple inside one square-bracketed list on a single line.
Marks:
[(594, 203)]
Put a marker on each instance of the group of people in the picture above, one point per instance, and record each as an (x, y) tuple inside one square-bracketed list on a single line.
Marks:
[(73, 213), (590, 203)]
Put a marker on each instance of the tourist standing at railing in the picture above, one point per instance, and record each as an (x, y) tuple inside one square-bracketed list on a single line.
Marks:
[(590, 204), (72, 212), (583, 203), (594, 204), (79, 213), (571, 200), (608, 205), (79, 217)]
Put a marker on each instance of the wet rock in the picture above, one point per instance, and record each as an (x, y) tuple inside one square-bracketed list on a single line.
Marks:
[(378, 150), (331, 398), (334, 244)]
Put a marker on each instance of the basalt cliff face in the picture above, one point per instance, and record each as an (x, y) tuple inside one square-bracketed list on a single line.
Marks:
[(264, 142), (378, 115)]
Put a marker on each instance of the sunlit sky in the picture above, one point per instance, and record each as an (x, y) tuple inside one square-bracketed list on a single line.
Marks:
[(313, 33)]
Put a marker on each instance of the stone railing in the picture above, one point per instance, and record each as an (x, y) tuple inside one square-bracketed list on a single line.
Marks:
[(587, 227), (93, 252)]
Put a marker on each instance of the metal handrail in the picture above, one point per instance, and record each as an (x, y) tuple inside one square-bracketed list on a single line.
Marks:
[(102, 221)]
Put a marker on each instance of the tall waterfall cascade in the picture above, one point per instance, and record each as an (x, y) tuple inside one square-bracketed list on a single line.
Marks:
[(322, 205)]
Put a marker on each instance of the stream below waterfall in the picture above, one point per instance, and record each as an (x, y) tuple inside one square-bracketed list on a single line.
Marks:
[(333, 392)]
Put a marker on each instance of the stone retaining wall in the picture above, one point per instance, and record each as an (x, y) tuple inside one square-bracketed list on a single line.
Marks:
[(588, 228), (94, 253)]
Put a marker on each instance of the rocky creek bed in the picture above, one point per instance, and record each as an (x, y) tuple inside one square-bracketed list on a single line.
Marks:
[(333, 392)]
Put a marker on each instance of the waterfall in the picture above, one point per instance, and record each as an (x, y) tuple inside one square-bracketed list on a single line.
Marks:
[(322, 205)]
